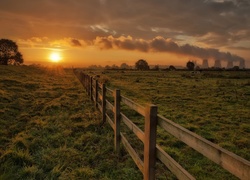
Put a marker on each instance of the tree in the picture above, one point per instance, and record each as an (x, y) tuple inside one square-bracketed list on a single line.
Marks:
[(190, 65), (172, 68), (141, 65), (9, 53), (236, 68), (107, 67), (114, 66), (124, 66)]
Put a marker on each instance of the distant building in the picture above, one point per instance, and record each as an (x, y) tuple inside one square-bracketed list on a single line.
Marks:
[(230, 65), (204, 64), (217, 63), (242, 64)]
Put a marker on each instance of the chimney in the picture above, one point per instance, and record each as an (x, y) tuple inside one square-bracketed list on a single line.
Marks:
[(217, 63), (230, 65), (242, 64), (204, 64)]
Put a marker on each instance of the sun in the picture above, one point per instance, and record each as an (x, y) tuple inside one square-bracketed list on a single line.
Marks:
[(55, 57)]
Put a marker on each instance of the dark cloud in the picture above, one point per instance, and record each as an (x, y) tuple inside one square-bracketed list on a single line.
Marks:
[(136, 18), (75, 43), (160, 44)]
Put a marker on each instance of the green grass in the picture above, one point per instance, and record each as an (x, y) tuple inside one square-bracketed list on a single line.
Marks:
[(215, 105), (51, 130)]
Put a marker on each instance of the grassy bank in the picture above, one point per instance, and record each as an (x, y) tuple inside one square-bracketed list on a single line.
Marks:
[(214, 105), (51, 130)]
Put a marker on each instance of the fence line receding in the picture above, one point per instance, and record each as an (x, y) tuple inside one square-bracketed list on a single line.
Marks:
[(98, 92)]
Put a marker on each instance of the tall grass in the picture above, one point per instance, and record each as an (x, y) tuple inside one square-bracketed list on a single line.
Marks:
[(51, 130), (215, 105)]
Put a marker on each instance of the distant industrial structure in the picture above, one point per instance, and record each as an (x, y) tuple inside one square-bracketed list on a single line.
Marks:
[(242, 64), (230, 64), (218, 64), (204, 64)]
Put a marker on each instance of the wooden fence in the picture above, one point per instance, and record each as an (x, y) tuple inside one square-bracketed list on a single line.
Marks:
[(98, 93)]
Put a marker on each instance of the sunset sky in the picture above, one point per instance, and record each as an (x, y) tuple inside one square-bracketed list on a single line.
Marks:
[(107, 32)]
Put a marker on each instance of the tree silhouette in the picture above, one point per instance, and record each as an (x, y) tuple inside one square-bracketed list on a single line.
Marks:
[(190, 65), (172, 68), (9, 53), (236, 68), (124, 66), (141, 65)]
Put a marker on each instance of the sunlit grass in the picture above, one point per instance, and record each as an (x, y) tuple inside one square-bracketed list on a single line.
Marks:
[(51, 130), (214, 105)]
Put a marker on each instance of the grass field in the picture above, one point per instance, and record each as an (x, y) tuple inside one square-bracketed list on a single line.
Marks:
[(215, 105), (49, 129)]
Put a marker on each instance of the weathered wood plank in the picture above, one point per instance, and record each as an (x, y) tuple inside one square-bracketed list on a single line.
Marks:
[(109, 105), (138, 108), (99, 106), (138, 132), (228, 160), (99, 85), (132, 153), (110, 121), (99, 96), (103, 103), (96, 93), (109, 91), (91, 88), (172, 165), (117, 120), (150, 142), (88, 85)]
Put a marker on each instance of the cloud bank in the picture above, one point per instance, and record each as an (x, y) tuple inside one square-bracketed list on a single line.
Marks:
[(156, 45), (160, 44)]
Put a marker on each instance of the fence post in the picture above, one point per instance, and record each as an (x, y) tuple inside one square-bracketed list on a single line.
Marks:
[(83, 80), (81, 77), (88, 81), (96, 93), (150, 142), (103, 103), (91, 90), (117, 116)]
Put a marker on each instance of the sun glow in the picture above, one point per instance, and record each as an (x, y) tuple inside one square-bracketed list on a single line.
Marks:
[(55, 57)]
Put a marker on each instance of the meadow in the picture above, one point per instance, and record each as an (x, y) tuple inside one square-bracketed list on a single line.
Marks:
[(49, 129), (213, 104)]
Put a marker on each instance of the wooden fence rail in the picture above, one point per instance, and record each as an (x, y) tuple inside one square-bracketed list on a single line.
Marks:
[(98, 93)]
